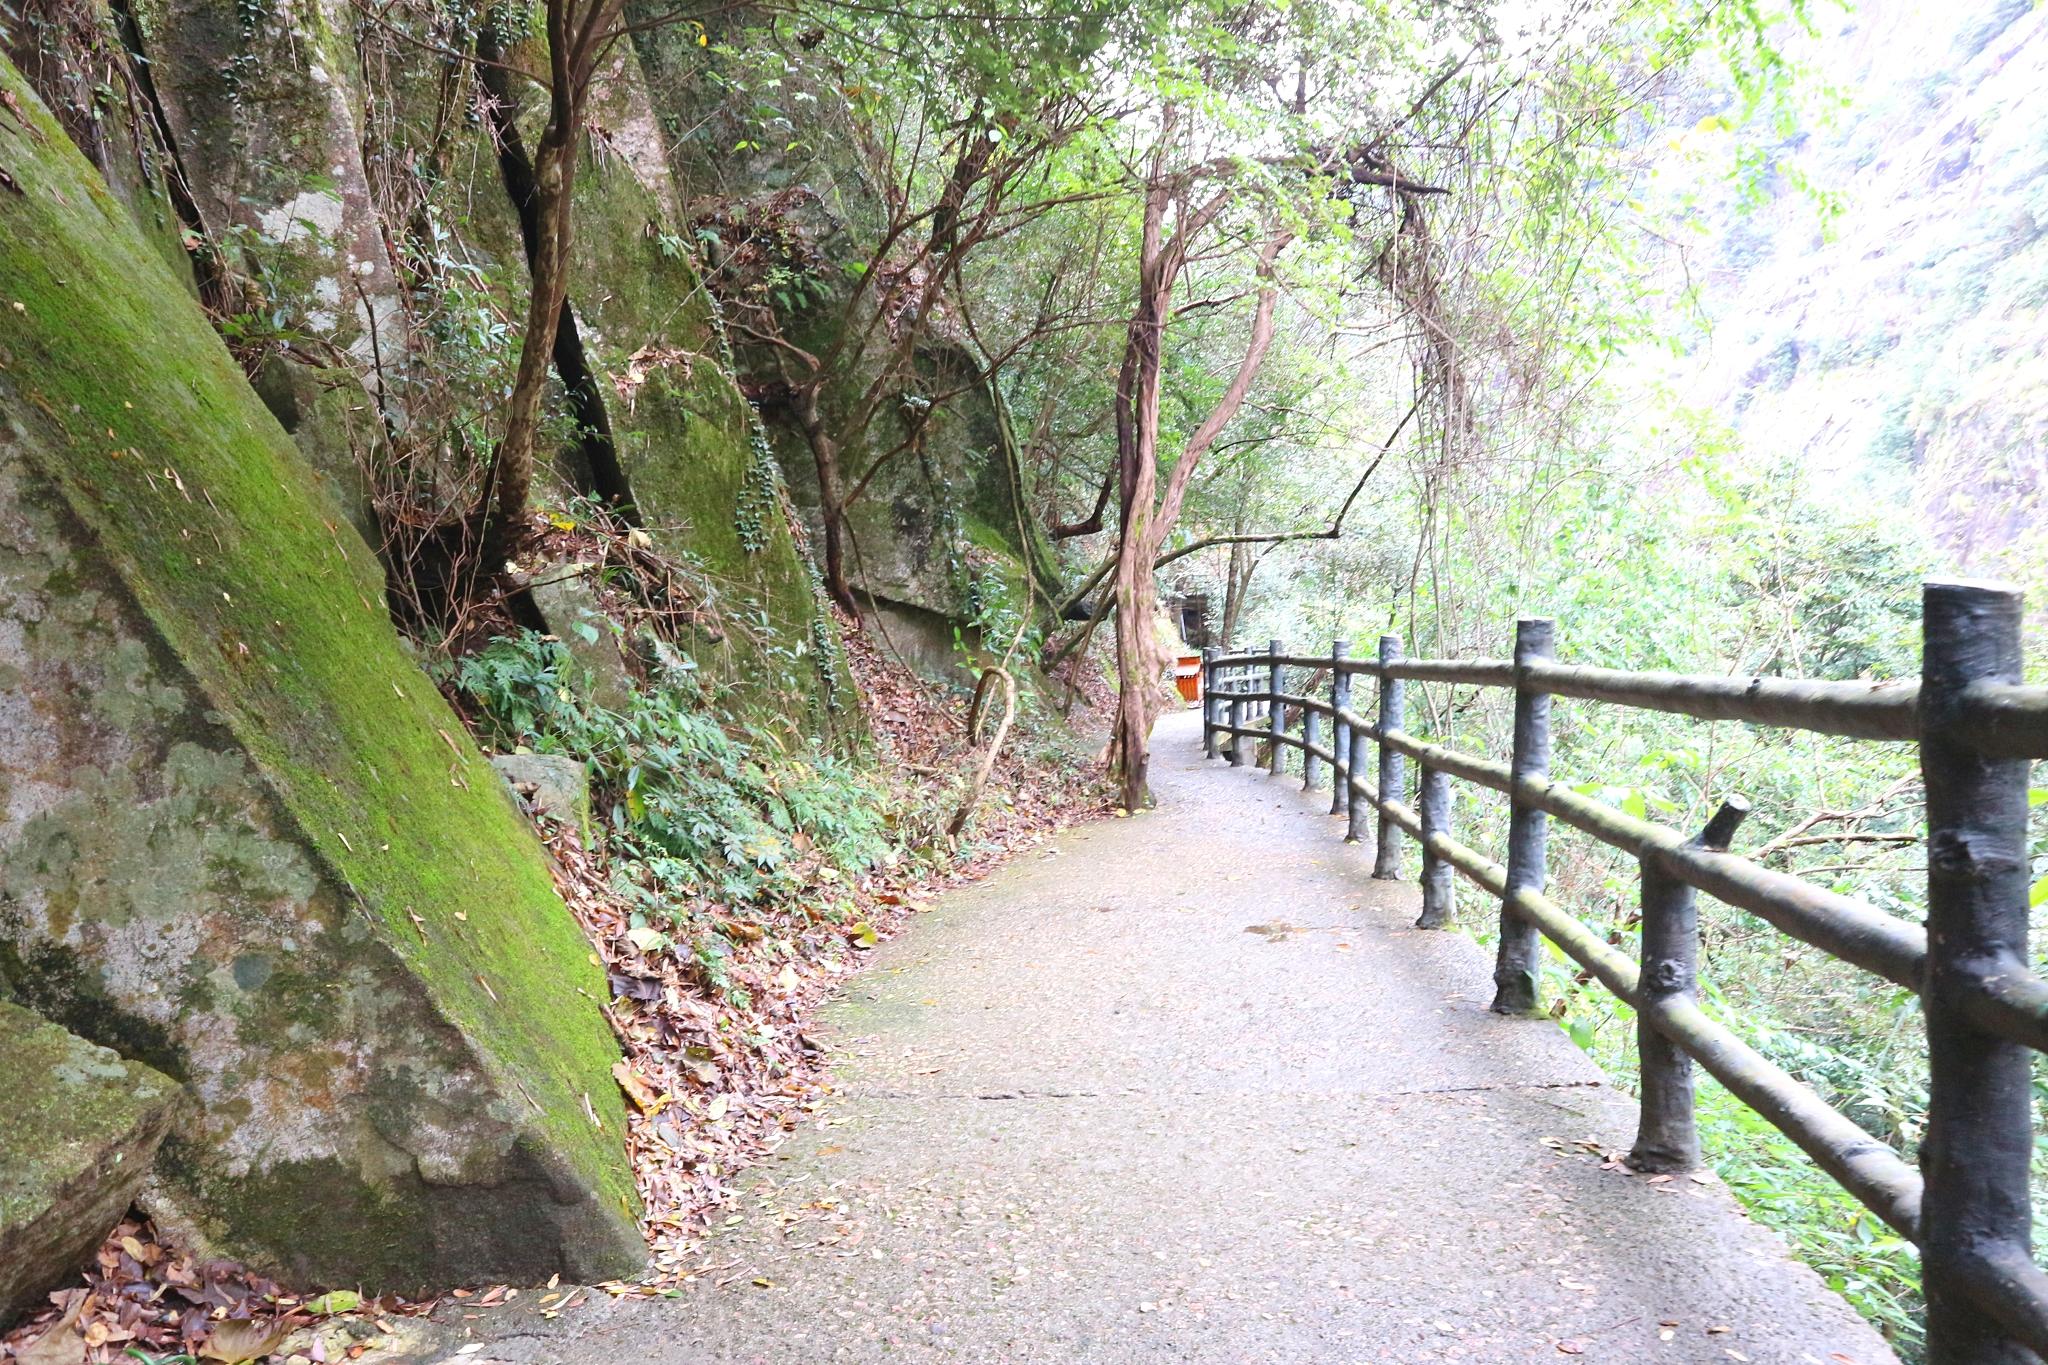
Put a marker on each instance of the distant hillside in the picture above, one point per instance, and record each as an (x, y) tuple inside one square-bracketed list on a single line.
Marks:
[(1902, 358)]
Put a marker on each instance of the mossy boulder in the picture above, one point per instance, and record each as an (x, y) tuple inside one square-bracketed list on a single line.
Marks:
[(82, 1125), (549, 786), (242, 837), (72, 52), (566, 596)]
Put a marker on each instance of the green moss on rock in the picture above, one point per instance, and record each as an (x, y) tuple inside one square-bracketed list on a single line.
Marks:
[(81, 1127), (166, 468), (963, 468), (685, 435)]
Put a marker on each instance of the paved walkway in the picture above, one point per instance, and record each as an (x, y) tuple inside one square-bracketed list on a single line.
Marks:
[(1187, 1087)]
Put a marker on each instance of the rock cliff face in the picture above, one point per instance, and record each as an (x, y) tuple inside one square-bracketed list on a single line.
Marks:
[(1899, 353), (688, 451), (942, 527), (242, 838)]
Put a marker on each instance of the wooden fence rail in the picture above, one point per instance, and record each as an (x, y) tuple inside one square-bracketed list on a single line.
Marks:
[(1977, 729)]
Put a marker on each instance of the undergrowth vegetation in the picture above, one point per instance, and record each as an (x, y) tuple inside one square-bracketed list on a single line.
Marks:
[(691, 809), (706, 818), (696, 805)]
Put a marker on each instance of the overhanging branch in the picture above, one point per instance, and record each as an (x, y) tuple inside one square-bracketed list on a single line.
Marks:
[(1332, 532)]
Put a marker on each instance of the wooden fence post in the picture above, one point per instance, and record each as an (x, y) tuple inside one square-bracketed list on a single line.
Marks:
[(1236, 712), (1355, 807), (1667, 1139), (1209, 701), (1434, 797), (1391, 777), (1340, 733), (1276, 714), (1521, 949), (1311, 766), (1979, 1111)]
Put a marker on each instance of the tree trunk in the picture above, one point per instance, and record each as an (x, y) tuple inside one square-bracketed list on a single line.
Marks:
[(831, 494), (837, 584), (1140, 659), (1237, 584), (1140, 664), (1137, 433), (509, 482)]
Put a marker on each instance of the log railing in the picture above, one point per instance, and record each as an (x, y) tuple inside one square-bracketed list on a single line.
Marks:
[(1977, 728)]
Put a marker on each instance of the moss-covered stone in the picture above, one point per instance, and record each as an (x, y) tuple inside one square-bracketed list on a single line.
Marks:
[(550, 786), (685, 436), (241, 832), (82, 1126), (72, 52), (566, 596)]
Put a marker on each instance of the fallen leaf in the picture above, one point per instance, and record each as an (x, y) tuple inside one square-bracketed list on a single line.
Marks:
[(60, 1345), (236, 1340), (643, 1095), (335, 1301)]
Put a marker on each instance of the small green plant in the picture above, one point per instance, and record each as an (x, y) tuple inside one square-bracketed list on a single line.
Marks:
[(1861, 1259), (693, 810), (760, 495)]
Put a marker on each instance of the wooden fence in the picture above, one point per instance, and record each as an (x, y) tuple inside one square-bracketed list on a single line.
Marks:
[(1977, 728)]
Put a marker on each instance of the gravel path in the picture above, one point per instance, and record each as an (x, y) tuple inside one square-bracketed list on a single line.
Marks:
[(1187, 1087)]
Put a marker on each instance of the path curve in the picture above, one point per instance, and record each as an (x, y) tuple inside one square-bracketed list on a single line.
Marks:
[(1188, 1087)]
